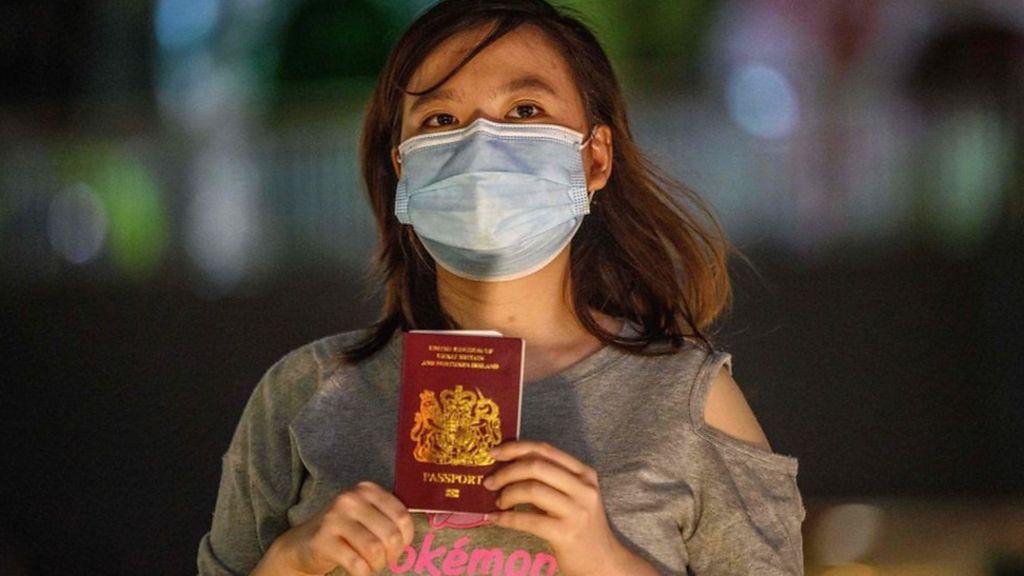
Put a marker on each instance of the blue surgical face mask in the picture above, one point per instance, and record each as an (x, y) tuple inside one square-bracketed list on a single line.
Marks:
[(493, 201)]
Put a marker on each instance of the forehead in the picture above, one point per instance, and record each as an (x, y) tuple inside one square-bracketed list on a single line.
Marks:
[(525, 50)]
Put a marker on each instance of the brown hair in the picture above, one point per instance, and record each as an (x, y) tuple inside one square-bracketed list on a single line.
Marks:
[(650, 251)]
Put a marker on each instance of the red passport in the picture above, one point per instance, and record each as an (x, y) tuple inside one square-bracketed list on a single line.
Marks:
[(460, 396)]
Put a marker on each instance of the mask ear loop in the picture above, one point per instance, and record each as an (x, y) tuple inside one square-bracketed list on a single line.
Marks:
[(586, 142), (583, 145)]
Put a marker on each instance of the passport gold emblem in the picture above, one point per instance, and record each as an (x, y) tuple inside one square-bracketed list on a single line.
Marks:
[(456, 429)]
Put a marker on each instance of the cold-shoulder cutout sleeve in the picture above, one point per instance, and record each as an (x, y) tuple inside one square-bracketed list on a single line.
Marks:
[(749, 506)]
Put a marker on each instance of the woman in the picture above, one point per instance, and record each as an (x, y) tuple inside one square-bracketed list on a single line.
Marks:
[(509, 196)]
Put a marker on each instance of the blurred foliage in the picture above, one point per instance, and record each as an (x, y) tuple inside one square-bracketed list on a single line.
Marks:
[(339, 43), (327, 40), (645, 35)]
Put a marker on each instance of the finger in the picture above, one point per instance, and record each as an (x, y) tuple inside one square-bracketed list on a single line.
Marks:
[(386, 533), (367, 529), (387, 538), (335, 548), (349, 559), (534, 523), (391, 507), (519, 448), (364, 542), (535, 468), (540, 495)]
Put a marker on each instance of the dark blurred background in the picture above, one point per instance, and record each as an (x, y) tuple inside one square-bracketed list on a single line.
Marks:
[(179, 207)]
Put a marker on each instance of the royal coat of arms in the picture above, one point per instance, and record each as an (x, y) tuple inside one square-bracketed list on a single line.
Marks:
[(459, 428)]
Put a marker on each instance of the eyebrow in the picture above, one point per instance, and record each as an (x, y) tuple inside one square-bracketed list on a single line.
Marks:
[(521, 84), (439, 95)]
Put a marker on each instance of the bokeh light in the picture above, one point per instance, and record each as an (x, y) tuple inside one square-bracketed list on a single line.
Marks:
[(136, 211), (762, 101), (850, 570), (846, 533), (222, 218), (76, 224), (972, 158), (185, 24)]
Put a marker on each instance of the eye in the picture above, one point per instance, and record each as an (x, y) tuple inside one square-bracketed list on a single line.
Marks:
[(525, 111), (439, 120)]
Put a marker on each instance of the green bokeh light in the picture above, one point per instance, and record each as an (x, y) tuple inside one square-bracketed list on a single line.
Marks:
[(136, 210), (972, 161)]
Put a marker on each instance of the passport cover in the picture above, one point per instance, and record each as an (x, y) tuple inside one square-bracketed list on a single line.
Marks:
[(461, 394)]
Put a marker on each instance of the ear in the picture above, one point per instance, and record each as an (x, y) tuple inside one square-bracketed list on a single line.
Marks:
[(395, 163), (599, 167)]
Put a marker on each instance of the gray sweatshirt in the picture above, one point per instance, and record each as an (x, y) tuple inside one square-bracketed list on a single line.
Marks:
[(683, 495)]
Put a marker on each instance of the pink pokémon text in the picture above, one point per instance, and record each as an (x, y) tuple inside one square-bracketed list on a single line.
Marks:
[(459, 560)]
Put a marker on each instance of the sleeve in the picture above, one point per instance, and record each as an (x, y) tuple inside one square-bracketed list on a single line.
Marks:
[(261, 472), (749, 509)]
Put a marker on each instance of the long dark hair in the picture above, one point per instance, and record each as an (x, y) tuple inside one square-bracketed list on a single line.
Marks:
[(650, 251)]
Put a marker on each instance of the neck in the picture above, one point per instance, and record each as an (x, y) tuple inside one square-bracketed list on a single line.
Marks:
[(536, 308)]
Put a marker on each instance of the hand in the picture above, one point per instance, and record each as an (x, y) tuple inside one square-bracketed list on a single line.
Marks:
[(569, 510), (361, 530)]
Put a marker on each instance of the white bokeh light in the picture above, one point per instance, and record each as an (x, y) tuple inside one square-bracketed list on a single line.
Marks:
[(222, 219), (762, 101), (76, 224)]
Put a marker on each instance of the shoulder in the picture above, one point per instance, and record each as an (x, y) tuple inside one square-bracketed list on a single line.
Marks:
[(700, 375), (724, 421), (726, 410), (716, 400)]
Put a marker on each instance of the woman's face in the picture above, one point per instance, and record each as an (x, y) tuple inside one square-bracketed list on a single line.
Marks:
[(521, 78)]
